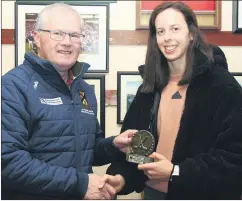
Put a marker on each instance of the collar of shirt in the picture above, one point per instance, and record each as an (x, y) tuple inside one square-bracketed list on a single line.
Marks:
[(70, 78)]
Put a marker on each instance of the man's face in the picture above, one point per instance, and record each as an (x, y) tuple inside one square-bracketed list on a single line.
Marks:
[(62, 53), (172, 34)]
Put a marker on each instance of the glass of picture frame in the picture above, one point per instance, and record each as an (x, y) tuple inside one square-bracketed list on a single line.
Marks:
[(128, 83)]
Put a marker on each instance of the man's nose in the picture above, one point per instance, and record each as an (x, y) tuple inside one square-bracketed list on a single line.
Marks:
[(66, 40)]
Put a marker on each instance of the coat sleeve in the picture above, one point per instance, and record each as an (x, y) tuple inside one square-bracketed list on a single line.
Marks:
[(105, 151), (20, 171), (219, 169), (136, 118)]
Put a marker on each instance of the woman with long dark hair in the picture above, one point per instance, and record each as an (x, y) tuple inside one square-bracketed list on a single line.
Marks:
[(193, 108)]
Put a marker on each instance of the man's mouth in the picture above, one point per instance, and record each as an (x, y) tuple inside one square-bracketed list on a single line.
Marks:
[(64, 52)]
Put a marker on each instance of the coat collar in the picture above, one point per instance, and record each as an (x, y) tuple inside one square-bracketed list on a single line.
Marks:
[(46, 67)]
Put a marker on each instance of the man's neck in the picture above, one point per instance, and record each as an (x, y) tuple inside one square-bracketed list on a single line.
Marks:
[(64, 76)]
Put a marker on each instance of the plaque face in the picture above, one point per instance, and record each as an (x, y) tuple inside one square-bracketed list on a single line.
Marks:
[(142, 146)]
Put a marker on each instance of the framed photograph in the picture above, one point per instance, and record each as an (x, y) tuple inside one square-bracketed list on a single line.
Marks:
[(127, 86), (208, 13), (95, 44), (238, 77), (237, 16), (98, 82)]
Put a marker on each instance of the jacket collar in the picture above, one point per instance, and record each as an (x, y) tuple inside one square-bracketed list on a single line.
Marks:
[(46, 67)]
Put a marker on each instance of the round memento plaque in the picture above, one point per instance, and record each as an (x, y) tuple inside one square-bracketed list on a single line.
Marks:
[(142, 146)]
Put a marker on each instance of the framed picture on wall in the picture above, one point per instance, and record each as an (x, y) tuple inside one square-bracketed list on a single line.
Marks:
[(128, 83), (237, 16), (208, 13), (238, 77), (98, 82), (95, 43)]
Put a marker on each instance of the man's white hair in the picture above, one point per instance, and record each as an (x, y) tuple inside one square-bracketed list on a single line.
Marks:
[(43, 15)]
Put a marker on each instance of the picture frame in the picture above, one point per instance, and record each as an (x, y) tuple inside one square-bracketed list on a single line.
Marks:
[(208, 13), (128, 83), (95, 45), (238, 77), (237, 17), (98, 81)]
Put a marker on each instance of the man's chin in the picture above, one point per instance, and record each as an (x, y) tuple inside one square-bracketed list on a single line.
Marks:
[(64, 66)]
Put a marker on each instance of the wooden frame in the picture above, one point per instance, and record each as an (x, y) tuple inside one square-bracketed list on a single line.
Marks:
[(237, 16), (96, 24), (238, 77), (127, 85), (98, 81), (209, 20)]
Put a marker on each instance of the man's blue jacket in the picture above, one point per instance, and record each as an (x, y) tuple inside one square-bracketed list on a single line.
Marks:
[(50, 138)]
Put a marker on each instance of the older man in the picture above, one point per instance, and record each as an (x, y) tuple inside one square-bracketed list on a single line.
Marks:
[(50, 134)]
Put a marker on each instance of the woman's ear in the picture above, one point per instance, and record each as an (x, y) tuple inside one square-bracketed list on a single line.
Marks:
[(191, 36)]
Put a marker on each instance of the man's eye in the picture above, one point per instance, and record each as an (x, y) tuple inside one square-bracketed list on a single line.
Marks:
[(75, 36), (57, 33)]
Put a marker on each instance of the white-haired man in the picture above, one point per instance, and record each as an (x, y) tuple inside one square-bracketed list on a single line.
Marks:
[(50, 133)]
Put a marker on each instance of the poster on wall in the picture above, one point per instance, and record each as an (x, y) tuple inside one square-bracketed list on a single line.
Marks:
[(237, 16), (127, 86), (207, 13), (95, 32)]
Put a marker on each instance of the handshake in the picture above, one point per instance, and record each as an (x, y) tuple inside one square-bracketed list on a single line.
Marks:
[(105, 187)]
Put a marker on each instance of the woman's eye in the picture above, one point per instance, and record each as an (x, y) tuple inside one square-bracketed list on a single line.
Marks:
[(175, 29), (160, 32)]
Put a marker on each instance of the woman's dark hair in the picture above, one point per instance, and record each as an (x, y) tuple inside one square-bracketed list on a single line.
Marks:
[(156, 67)]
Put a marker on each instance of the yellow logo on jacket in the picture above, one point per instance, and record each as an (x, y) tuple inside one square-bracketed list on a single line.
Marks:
[(83, 98)]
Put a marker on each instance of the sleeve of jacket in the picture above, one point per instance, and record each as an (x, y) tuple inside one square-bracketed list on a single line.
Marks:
[(219, 169), (136, 118), (105, 151), (20, 171)]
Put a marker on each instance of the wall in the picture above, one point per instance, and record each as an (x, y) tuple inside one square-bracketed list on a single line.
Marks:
[(122, 58)]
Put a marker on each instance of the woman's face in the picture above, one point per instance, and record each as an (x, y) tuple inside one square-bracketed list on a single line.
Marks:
[(172, 34)]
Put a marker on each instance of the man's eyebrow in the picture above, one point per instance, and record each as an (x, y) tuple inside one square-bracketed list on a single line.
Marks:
[(75, 32)]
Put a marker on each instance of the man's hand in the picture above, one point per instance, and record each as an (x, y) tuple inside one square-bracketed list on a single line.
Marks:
[(94, 193), (161, 169), (123, 140), (117, 182)]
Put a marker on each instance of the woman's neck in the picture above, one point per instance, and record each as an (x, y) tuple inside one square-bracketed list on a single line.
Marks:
[(177, 67)]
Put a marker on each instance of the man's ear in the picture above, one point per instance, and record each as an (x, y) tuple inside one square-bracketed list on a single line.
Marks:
[(36, 38)]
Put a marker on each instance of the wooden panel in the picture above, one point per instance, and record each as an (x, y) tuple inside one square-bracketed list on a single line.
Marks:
[(140, 37), (7, 36)]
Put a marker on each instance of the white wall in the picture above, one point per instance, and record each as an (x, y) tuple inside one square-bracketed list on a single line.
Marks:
[(121, 58)]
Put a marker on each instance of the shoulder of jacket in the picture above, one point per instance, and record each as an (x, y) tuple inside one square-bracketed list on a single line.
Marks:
[(19, 76), (222, 81)]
